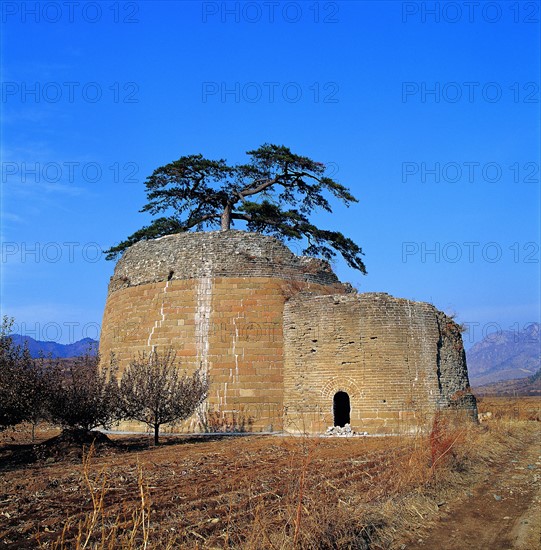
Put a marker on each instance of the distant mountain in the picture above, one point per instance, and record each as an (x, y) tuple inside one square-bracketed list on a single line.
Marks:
[(505, 355), (523, 386), (55, 349)]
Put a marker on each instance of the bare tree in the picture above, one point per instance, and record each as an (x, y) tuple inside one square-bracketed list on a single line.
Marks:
[(24, 382), (40, 386), (14, 363), (85, 396), (155, 392)]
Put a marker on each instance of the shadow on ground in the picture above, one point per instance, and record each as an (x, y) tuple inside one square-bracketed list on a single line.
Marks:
[(72, 445)]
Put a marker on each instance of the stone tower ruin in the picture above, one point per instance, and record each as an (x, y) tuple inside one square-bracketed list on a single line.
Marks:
[(283, 341)]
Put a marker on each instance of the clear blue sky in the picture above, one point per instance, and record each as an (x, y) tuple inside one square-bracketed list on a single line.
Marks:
[(431, 118)]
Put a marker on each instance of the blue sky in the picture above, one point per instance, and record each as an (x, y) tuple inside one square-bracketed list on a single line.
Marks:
[(428, 111)]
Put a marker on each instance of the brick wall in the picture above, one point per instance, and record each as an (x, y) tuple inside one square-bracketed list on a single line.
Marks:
[(217, 299), (398, 361), (279, 335)]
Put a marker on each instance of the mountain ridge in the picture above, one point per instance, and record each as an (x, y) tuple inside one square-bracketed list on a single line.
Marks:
[(505, 355), (46, 348)]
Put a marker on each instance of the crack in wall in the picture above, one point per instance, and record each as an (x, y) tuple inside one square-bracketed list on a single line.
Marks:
[(158, 322), (202, 322), (203, 311)]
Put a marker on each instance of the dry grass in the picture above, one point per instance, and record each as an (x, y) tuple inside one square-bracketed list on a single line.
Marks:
[(511, 408), (256, 492), (99, 528)]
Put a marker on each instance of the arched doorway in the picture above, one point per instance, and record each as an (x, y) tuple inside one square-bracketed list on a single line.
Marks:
[(341, 409)]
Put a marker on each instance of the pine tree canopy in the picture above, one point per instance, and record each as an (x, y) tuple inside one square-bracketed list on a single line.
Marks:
[(273, 194)]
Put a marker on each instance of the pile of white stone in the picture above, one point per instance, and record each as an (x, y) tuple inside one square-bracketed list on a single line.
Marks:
[(346, 431)]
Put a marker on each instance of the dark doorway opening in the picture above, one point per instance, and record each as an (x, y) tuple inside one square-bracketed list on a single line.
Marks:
[(341, 409)]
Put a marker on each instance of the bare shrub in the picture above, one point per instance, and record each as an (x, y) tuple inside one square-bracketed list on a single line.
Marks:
[(443, 437), (13, 364), (25, 382), (85, 396), (153, 391)]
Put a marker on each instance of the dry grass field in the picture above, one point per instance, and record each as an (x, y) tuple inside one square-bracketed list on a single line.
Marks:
[(279, 492), (513, 408)]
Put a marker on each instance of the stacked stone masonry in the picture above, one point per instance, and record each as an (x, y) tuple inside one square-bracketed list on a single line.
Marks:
[(384, 352), (279, 335)]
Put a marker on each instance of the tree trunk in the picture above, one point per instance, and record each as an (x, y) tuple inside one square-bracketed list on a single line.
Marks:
[(156, 434), (226, 218)]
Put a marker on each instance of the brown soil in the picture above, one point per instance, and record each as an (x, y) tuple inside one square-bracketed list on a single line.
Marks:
[(503, 511), (253, 491), (198, 485)]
